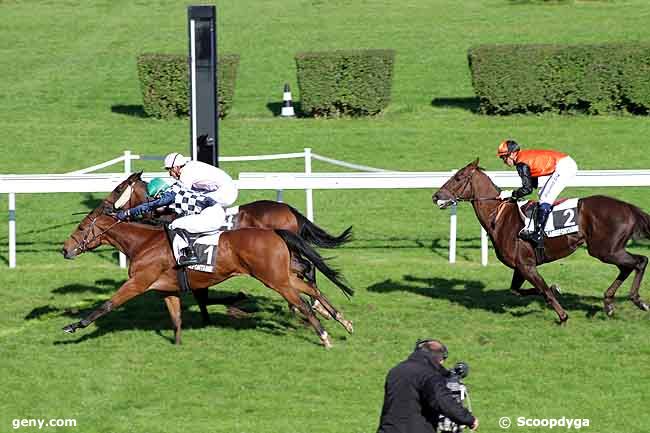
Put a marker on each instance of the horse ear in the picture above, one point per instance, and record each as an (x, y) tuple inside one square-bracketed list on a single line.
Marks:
[(475, 163), (136, 176)]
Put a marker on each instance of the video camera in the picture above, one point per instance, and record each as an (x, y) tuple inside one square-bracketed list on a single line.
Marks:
[(461, 395)]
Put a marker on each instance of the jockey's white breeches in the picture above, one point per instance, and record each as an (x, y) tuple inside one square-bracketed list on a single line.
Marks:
[(551, 186), (210, 219), (225, 196)]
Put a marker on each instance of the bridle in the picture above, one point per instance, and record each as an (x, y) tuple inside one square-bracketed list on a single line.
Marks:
[(83, 245), (468, 182)]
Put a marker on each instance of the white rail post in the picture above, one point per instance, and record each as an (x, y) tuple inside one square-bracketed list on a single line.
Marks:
[(308, 192), (12, 230), (278, 196), (452, 234), (127, 171), (484, 247)]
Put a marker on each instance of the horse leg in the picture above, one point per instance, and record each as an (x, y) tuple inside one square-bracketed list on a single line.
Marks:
[(292, 296), (626, 263), (517, 281), (530, 273), (173, 303), (130, 289), (608, 296), (201, 296), (323, 303), (642, 263)]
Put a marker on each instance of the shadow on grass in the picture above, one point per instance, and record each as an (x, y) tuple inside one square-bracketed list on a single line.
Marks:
[(468, 103), (104, 285), (472, 295), (129, 110), (147, 312)]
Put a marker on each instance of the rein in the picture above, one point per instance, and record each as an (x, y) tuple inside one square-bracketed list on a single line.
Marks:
[(81, 246)]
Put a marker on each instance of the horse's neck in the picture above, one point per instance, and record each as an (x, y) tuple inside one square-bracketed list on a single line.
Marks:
[(130, 238), (486, 210)]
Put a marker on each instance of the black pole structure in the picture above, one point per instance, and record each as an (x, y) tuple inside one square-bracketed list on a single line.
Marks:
[(204, 118)]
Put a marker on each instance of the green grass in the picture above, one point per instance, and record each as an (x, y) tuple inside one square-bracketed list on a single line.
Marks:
[(69, 82)]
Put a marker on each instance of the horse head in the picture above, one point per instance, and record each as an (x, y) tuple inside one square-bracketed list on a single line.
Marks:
[(89, 233), (129, 193), (458, 187)]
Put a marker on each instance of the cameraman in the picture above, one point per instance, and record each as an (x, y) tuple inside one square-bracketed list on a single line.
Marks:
[(416, 393)]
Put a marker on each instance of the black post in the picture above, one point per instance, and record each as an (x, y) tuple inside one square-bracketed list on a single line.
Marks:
[(204, 118)]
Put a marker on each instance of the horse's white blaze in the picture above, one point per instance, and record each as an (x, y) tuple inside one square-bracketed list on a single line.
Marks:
[(124, 198)]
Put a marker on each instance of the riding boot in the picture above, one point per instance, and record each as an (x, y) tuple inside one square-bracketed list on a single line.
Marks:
[(536, 236), (188, 255)]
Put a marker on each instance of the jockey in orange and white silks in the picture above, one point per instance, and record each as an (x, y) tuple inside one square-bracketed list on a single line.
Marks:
[(549, 170)]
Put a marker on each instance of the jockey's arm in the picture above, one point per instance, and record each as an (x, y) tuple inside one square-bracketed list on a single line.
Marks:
[(527, 182), (165, 199)]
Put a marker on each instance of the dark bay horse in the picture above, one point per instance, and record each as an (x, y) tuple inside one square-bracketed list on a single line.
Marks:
[(264, 214), (263, 254), (606, 225)]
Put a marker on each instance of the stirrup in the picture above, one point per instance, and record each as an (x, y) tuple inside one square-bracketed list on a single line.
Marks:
[(188, 258), (527, 235)]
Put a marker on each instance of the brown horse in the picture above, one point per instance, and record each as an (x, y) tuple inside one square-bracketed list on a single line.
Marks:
[(264, 214), (263, 254), (606, 224)]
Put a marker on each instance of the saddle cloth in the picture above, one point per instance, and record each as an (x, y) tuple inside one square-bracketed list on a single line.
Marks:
[(563, 219), (206, 247)]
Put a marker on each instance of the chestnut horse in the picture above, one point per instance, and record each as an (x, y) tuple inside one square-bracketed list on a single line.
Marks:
[(605, 226), (263, 254), (264, 214)]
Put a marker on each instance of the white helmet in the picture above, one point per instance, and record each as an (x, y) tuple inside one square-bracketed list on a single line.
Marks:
[(175, 159)]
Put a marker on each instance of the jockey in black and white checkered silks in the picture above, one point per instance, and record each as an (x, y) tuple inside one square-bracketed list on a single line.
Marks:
[(198, 213)]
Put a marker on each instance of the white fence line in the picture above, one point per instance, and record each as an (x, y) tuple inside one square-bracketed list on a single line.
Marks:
[(82, 181)]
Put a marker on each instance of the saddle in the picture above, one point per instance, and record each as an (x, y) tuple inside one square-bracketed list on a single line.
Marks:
[(562, 220)]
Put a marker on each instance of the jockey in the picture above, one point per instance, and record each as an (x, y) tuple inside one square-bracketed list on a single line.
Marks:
[(547, 169), (205, 178), (197, 212)]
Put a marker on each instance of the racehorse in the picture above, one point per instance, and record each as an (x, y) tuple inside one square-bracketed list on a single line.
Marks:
[(265, 214), (263, 254), (605, 226)]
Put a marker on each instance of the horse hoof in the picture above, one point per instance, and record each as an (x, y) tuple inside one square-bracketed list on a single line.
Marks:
[(556, 290), (348, 326), (642, 306), (70, 329), (609, 310)]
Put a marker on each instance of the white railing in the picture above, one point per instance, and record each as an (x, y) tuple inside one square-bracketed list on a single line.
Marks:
[(308, 181)]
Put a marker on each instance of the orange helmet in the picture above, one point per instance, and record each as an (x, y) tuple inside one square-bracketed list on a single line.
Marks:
[(507, 147)]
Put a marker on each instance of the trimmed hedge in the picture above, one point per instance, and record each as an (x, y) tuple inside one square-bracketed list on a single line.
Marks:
[(352, 82), (590, 79), (165, 85)]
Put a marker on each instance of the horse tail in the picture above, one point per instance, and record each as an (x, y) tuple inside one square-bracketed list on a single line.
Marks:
[(642, 225), (316, 235), (298, 245)]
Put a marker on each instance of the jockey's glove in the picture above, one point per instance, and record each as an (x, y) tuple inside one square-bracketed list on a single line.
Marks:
[(505, 194), (123, 215)]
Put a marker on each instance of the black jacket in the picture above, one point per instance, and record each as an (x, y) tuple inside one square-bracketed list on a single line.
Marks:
[(528, 182), (415, 394)]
